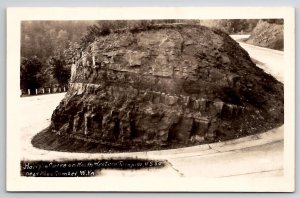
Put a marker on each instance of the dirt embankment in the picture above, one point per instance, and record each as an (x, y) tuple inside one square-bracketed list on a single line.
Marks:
[(162, 87), (269, 34)]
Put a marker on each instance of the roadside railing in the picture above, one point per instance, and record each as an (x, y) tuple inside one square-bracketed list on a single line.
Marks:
[(43, 90)]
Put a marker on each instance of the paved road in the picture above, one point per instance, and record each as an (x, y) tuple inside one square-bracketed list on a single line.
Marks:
[(271, 61), (36, 111), (253, 156)]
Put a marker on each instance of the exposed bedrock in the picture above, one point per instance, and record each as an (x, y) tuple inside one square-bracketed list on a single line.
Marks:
[(173, 83)]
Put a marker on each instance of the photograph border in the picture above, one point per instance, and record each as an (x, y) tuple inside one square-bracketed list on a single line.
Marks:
[(17, 183)]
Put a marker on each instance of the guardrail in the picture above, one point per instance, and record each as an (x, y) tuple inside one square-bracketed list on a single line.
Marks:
[(43, 90)]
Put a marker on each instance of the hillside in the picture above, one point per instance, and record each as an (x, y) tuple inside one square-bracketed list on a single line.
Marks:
[(269, 34)]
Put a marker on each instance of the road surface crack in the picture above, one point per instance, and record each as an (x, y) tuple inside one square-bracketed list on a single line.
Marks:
[(176, 170), (213, 149), (255, 172)]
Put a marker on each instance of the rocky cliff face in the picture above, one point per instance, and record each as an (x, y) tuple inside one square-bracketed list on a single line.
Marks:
[(268, 33), (166, 85)]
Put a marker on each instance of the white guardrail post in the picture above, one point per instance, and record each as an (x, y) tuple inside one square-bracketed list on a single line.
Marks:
[(44, 90)]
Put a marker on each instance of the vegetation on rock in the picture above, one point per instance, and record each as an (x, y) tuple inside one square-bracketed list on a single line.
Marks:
[(231, 26), (268, 33)]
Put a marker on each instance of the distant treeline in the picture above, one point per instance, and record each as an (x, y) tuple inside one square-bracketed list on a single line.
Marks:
[(44, 38), (46, 49)]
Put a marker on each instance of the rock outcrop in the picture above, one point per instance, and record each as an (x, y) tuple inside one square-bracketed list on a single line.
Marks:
[(164, 85), (268, 33)]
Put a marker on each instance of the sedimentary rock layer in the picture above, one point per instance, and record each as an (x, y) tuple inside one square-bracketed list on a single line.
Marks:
[(166, 84)]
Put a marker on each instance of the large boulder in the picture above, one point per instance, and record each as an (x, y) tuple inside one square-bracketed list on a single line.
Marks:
[(166, 85)]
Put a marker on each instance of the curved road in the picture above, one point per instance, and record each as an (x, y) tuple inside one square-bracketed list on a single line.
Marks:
[(271, 61)]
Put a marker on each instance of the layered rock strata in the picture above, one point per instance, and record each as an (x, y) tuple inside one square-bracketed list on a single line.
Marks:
[(166, 84)]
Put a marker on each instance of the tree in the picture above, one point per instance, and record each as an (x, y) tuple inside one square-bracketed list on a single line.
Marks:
[(31, 76), (102, 28), (59, 69)]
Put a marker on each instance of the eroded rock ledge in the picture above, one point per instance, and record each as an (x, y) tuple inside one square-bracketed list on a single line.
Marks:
[(162, 86)]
